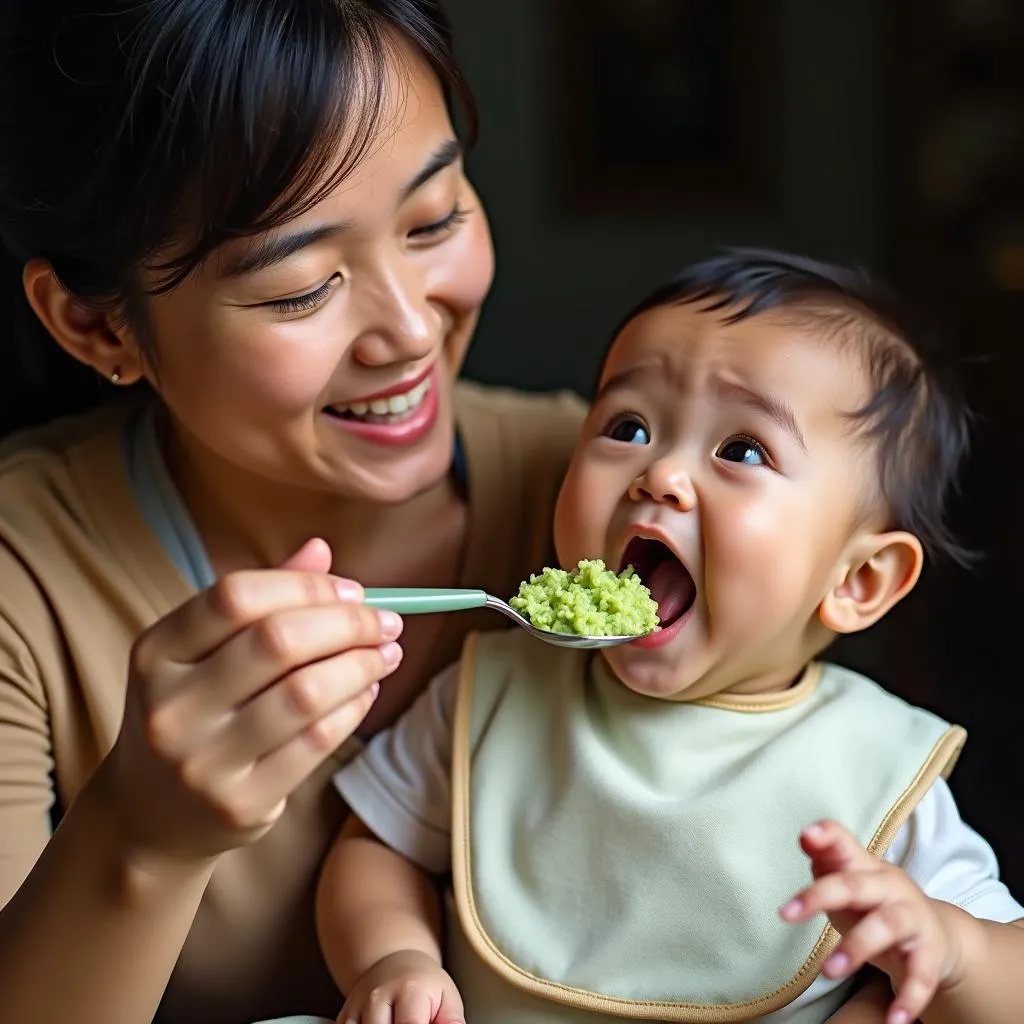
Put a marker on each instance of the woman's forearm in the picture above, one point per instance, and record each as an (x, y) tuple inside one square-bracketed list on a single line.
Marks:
[(94, 932), (373, 903)]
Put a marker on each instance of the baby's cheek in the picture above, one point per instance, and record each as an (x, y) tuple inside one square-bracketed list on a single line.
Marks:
[(759, 560), (581, 518)]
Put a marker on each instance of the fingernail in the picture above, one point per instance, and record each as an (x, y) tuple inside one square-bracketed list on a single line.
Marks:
[(815, 830), (899, 1017), (392, 654), (374, 690), (390, 624), (347, 590), (792, 908), (837, 965)]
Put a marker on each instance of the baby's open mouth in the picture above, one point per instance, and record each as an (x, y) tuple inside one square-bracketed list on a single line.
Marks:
[(668, 580)]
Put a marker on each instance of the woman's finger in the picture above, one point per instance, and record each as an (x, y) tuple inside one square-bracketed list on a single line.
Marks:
[(250, 799), (297, 702), (282, 770), (280, 644), (212, 617), (314, 556)]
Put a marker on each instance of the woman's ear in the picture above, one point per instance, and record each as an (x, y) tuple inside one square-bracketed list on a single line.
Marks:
[(878, 571), (81, 330)]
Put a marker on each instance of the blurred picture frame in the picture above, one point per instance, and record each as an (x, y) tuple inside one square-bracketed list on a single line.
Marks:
[(664, 105)]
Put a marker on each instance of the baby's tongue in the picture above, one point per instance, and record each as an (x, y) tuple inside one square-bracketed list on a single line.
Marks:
[(672, 588)]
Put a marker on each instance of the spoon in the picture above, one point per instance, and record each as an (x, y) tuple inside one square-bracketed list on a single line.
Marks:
[(416, 601)]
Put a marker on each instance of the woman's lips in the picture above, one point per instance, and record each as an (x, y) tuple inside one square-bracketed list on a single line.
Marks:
[(402, 430), (402, 388)]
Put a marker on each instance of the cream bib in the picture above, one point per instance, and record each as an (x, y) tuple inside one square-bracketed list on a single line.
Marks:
[(628, 856)]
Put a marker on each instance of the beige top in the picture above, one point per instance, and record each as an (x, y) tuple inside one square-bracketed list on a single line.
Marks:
[(81, 575)]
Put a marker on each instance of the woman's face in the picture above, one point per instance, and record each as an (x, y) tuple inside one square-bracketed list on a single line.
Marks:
[(322, 354)]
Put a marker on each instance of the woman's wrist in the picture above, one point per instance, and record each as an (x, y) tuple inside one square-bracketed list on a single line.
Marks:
[(139, 873)]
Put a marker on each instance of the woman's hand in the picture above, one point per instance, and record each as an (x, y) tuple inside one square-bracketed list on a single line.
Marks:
[(236, 697)]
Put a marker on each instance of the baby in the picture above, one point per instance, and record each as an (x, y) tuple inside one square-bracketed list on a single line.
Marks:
[(771, 450)]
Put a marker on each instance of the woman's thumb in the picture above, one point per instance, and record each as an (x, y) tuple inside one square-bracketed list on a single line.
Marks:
[(313, 556)]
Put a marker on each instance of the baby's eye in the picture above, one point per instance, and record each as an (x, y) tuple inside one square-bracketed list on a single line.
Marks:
[(744, 450), (629, 430)]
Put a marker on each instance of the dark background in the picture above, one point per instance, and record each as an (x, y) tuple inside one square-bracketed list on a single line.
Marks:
[(865, 131)]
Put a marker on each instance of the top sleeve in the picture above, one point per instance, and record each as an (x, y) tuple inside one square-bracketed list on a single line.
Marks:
[(400, 785), (950, 861), (26, 764)]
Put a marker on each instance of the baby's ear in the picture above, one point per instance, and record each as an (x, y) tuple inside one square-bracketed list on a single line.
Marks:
[(877, 571)]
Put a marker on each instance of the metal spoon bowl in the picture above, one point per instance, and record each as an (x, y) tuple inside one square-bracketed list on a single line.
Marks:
[(419, 601)]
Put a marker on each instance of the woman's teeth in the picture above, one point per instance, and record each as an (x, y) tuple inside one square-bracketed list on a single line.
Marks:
[(385, 408)]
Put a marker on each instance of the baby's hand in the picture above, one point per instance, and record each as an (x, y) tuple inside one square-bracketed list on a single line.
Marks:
[(884, 918), (404, 988)]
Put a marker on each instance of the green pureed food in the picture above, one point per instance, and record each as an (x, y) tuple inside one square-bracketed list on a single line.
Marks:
[(592, 601)]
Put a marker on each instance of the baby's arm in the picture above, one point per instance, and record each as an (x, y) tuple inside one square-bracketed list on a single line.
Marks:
[(946, 966), (379, 921), (378, 913)]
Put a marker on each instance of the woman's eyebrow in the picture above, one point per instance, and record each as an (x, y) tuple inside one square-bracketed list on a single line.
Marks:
[(270, 249), (444, 156)]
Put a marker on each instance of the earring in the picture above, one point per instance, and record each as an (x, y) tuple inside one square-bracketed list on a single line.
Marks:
[(115, 377)]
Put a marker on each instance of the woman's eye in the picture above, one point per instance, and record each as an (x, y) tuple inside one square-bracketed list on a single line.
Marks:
[(629, 430), (457, 216), (301, 303), (744, 450)]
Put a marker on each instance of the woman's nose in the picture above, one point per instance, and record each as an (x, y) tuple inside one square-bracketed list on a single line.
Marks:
[(665, 482), (399, 324)]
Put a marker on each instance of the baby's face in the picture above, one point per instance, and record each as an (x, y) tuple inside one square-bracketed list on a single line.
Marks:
[(719, 461)]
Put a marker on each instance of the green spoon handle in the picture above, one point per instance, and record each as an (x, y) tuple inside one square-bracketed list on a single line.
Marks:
[(417, 601)]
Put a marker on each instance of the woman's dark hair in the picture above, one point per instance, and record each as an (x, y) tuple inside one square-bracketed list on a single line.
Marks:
[(123, 120), (916, 417)]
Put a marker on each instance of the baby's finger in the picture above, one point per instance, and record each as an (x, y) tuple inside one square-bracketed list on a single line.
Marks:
[(412, 1005), (377, 1009), (918, 989), (844, 890), (885, 930), (832, 848), (450, 1011), (349, 1013)]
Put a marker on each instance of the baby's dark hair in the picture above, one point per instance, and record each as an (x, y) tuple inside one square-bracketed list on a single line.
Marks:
[(916, 416)]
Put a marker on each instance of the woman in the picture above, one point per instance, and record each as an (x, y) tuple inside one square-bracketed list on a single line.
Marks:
[(250, 219)]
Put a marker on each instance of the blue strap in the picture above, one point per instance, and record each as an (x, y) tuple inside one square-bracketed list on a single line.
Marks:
[(160, 502), (162, 506)]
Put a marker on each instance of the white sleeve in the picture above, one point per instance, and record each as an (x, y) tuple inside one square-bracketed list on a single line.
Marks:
[(950, 861), (400, 785)]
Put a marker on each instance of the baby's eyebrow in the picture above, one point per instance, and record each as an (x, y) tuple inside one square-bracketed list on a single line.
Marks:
[(773, 406), (624, 378)]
